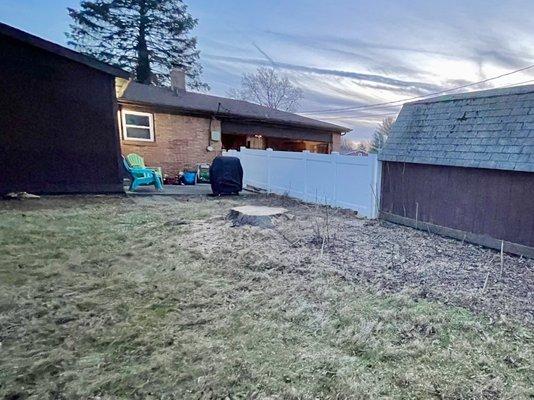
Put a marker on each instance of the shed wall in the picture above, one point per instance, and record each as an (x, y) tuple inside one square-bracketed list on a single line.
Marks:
[(489, 203), (58, 131)]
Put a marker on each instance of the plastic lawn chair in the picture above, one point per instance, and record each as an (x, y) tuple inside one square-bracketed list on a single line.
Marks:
[(136, 161), (142, 177)]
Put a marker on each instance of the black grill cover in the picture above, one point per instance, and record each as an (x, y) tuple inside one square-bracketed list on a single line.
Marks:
[(226, 175)]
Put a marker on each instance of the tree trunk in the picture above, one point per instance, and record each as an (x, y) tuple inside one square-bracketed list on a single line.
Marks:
[(143, 72)]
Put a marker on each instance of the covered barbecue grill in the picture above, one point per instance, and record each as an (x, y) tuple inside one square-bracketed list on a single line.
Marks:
[(226, 175)]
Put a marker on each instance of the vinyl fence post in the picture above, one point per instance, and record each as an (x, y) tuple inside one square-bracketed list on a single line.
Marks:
[(269, 152), (376, 185), (305, 155), (335, 159), (242, 156)]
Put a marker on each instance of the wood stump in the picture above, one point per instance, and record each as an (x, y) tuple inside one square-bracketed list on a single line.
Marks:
[(255, 215)]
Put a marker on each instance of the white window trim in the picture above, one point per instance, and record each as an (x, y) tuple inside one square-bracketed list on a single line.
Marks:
[(150, 127)]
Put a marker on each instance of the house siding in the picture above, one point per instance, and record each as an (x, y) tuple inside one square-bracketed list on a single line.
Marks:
[(493, 205), (57, 122), (181, 141)]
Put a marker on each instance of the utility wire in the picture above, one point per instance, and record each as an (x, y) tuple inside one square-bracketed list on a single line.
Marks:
[(399, 105), (364, 116), (367, 116), (377, 105), (519, 83)]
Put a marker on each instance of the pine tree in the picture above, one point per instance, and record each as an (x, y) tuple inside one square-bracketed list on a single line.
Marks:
[(146, 37)]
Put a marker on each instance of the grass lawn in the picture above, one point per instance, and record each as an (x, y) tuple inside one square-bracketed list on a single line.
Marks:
[(156, 298)]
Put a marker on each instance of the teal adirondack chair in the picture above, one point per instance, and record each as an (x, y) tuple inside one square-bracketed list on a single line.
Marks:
[(142, 177), (136, 161)]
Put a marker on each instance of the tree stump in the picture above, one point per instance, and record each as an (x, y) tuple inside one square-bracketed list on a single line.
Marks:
[(255, 215)]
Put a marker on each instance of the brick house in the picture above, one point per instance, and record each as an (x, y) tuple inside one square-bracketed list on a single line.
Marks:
[(176, 129)]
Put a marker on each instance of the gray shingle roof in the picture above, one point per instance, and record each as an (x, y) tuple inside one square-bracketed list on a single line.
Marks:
[(488, 129), (203, 103)]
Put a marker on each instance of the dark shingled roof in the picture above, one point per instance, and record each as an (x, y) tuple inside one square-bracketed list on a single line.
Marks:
[(36, 41), (488, 129), (205, 104)]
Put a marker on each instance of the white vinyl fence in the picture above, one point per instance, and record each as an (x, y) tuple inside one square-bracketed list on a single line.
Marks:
[(340, 181)]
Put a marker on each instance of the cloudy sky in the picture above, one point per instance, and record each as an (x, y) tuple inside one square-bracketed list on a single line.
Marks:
[(344, 54)]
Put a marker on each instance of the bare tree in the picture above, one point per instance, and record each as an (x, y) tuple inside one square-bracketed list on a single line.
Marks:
[(268, 88), (381, 135), (347, 145), (351, 147), (362, 148)]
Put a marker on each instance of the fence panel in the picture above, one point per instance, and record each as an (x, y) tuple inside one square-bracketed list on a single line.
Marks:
[(340, 181)]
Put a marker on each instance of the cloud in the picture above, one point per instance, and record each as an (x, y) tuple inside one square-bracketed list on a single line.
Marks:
[(414, 86), (360, 53)]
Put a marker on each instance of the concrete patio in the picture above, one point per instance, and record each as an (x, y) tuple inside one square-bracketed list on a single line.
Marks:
[(200, 189)]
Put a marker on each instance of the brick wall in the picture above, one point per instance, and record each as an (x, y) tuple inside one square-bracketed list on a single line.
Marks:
[(180, 142)]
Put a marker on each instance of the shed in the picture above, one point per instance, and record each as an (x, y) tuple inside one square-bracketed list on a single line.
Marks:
[(58, 125), (463, 166)]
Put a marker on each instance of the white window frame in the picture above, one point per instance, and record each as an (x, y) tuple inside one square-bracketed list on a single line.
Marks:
[(142, 114)]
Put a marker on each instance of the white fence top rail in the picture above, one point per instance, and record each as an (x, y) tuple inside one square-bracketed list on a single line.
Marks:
[(351, 182)]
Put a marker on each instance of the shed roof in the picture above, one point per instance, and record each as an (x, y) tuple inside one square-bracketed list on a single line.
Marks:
[(202, 103), (36, 41), (488, 129)]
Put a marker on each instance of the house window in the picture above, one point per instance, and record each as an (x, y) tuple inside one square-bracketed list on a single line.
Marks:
[(138, 126)]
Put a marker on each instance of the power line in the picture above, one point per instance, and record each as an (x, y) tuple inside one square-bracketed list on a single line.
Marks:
[(335, 117), (520, 83), (360, 117), (369, 106), (399, 105)]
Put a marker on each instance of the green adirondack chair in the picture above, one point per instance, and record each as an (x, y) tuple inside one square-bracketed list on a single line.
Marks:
[(136, 161), (142, 177)]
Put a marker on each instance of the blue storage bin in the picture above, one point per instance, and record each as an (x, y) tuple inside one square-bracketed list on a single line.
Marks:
[(190, 177)]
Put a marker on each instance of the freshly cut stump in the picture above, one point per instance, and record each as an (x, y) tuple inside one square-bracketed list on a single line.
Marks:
[(255, 215)]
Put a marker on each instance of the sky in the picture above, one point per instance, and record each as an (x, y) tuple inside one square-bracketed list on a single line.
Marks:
[(344, 54)]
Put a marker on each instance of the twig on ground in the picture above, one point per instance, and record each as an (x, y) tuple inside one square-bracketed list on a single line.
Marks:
[(485, 282), (502, 258), (428, 229), (327, 221)]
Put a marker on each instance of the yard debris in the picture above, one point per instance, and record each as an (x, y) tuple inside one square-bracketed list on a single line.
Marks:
[(21, 196), (390, 258), (175, 222), (255, 215), (255, 189)]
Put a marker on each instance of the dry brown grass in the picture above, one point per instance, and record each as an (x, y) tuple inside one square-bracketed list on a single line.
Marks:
[(153, 298)]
